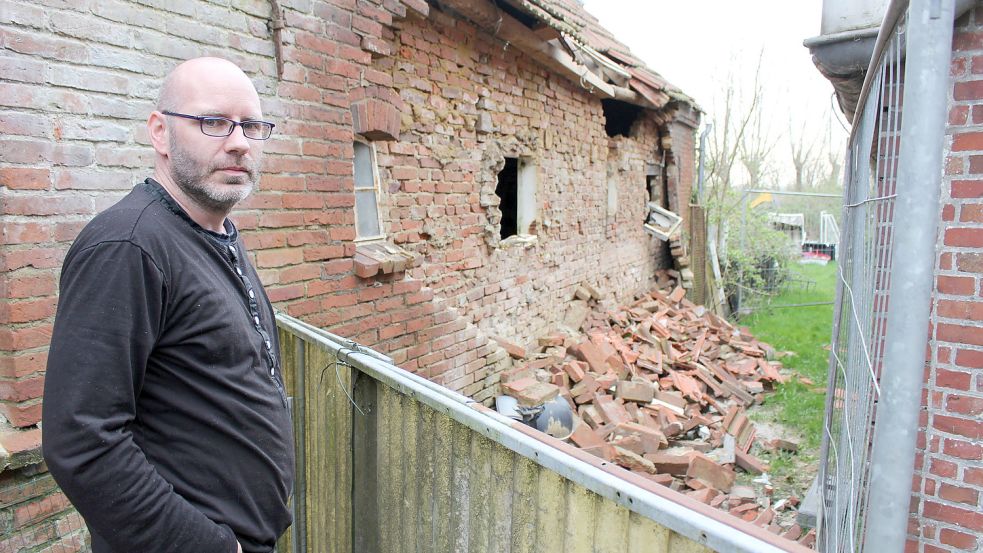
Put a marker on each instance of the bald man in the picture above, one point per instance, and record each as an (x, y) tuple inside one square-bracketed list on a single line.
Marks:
[(165, 420)]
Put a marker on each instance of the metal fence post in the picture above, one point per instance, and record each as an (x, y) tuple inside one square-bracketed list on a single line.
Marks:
[(926, 81)]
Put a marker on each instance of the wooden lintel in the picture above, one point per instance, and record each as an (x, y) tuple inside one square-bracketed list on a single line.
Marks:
[(545, 32)]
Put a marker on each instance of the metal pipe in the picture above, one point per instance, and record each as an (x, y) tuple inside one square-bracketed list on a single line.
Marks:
[(701, 179), (791, 193), (930, 31)]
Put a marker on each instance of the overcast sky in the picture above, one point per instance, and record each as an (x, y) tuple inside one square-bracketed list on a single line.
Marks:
[(697, 44)]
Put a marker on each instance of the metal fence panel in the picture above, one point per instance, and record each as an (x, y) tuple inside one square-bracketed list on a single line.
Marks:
[(890, 210), (864, 274)]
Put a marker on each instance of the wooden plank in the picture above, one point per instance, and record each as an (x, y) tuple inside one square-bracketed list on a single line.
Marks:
[(524, 495), (426, 463), (610, 527), (501, 505), (551, 514), (390, 497), (480, 477), (365, 468), (321, 446), (343, 409), (646, 536), (443, 440), (682, 544), (409, 504), (460, 514), (578, 535)]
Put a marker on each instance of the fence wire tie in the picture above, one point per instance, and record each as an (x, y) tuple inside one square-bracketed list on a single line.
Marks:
[(868, 200), (341, 358)]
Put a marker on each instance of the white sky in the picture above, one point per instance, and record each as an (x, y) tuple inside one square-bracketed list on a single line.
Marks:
[(695, 44)]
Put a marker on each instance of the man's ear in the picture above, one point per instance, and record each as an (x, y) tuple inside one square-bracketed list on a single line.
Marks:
[(157, 130)]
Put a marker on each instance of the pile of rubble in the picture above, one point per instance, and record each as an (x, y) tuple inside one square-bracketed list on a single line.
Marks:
[(660, 388)]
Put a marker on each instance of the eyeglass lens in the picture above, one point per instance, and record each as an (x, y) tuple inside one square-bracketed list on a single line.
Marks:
[(219, 126)]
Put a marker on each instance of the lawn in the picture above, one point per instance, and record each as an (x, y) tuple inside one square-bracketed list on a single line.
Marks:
[(806, 331)]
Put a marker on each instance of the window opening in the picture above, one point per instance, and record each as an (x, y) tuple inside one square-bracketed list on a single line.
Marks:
[(367, 223), (619, 117), (508, 191)]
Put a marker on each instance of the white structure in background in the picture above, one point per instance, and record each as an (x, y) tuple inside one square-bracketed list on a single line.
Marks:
[(793, 225), (829, 231)]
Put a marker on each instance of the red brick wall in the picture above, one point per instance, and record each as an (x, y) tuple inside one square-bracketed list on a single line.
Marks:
[(76, 85), (949, 480)]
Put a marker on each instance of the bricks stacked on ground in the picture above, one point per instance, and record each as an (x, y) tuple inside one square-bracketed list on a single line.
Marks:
[(77, 81), (948, 482), (660, 388)]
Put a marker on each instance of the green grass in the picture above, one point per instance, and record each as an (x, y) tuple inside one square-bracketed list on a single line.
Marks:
[(806, 331)]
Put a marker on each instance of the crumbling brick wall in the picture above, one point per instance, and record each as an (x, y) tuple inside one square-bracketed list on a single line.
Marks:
[(76, 85), (949, 478)]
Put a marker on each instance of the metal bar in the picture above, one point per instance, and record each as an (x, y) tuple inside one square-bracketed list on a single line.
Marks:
[(790, 193), (697, 526), (919, 179), (810, 304), (701, 179)]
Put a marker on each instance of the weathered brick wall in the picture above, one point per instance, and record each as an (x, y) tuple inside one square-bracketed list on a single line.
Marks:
[(947, 505), (76, 85)]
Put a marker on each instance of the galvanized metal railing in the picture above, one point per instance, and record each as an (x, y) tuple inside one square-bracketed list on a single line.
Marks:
[(390, 462), (886, 253)]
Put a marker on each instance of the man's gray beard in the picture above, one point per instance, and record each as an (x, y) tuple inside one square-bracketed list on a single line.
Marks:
[(189, 175)]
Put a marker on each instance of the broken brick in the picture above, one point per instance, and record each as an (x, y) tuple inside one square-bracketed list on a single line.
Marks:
[(514, 350), (552, 340), (705, 495), (765, 517), (651, 440), (610, 410), (632, 461), (749, 462), (669, 463), (793, 532), (584, 436), (530, 392), (574, 370), (635, 390), (713, 474), (588, 352)]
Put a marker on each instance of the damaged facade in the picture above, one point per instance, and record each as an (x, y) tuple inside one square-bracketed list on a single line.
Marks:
[(442, 173)]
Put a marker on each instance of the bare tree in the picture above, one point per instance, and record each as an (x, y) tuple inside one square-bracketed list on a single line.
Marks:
[(736, 111), (803, 156), (756, 150)]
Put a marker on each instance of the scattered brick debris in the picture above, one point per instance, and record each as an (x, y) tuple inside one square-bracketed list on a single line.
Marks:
[(661, 387)]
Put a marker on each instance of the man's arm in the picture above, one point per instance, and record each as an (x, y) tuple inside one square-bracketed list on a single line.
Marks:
[(110, 314)]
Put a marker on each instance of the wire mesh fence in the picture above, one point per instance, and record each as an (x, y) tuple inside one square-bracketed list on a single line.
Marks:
[(865, 258)]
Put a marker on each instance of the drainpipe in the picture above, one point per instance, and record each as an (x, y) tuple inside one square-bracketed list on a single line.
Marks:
[(916, 216), (703, 154)]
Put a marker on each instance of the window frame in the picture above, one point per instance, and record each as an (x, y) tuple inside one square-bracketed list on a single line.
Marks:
[(374, 188)]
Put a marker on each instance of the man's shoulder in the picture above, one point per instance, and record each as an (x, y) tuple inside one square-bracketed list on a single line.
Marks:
[(129, 219)]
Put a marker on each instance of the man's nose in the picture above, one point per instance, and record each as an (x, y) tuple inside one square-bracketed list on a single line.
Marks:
[(237, 141)]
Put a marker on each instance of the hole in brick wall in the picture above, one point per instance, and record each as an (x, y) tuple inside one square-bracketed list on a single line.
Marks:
[(525, 18), (619, 117), (508, 191)]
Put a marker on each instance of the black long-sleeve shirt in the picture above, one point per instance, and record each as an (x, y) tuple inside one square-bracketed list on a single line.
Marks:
[(165, 420)]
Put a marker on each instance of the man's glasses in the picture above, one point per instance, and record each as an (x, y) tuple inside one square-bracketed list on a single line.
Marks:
[(222, 127)]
